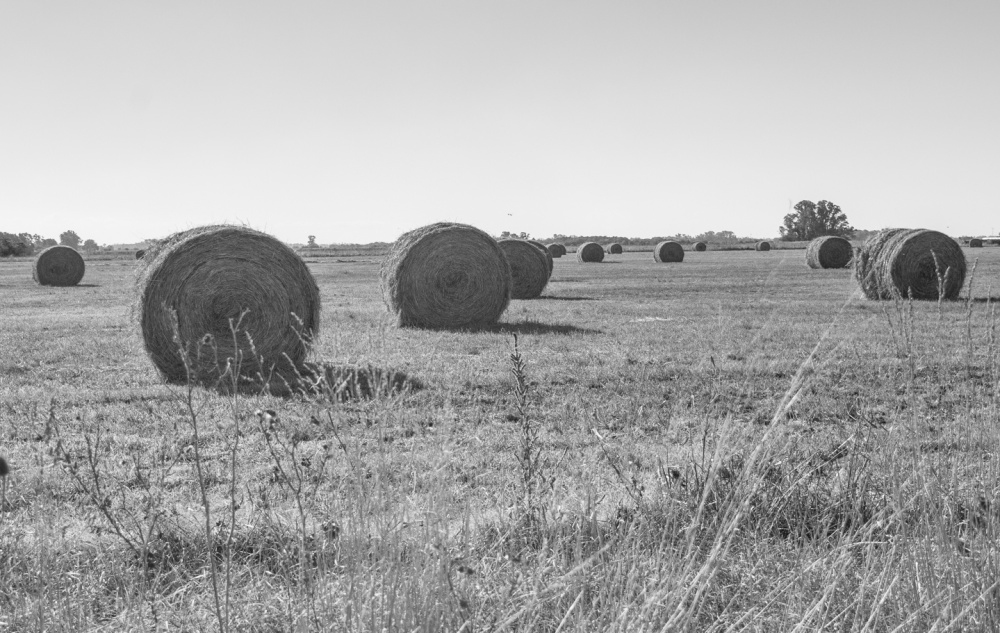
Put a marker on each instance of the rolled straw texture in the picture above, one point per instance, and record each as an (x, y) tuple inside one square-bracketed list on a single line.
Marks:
[(615, 249), (762, 246), (700, 246), (829, 251), (556, 250), (446, 276), (918, 263), (58, 266), (529, 271), (668, 251), (975, 243), (591, 252), (217, 279), (545, 252)]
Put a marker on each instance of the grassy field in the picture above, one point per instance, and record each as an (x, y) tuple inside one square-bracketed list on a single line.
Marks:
[(736, 442)]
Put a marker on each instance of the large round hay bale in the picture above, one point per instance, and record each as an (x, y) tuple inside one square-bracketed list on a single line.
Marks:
[(668, 251), (829, 251), (917, 263), (58, 266), (975, 243), (615, 249), (140, 253), (545, 252), (447, 276), (762, 246), (591, 252), (700, 247), (219, 302), (556, 250), (529, 271)]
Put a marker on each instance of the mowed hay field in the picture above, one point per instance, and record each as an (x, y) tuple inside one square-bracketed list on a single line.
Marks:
[(735, 442)]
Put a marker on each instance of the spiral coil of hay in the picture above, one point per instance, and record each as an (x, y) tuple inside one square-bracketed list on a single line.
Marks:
[(762, 246), (556, 250), (917, 263), (829, 251), (668, 251), (545, 251), (975, 243), (700, 247), (590, 252), (446, 276), (614, 249), (58, 266), (529, 271), (236, 298)]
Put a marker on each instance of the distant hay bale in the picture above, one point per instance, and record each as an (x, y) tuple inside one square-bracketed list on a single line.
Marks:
[(700, 247), (529, 271), (762, 246), (829, 251), (615, 249), (668, 251), (139, 253), (206, 282), (446, 276), (58, 266), (590, 252), (975, 243), (918, 263), (556, 250), (545, 252)]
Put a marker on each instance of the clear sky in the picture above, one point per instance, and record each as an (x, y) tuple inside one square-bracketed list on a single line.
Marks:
[(355, 121)]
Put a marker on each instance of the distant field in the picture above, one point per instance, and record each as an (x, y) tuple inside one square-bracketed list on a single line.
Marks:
[(735, 442)]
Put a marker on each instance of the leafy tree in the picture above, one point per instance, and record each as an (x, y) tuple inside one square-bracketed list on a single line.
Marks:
[(90, 246), (69, 238), (811, 220), (312, 242), (15, 245), (47, 242)]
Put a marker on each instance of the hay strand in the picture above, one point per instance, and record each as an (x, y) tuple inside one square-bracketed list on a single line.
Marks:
[(829, 251), (446, 276), (590, 252), (668, 251), (228, 303), (529, 271), (762, 246), (615, 249), (58, 266), (917, 263), (700, 247)]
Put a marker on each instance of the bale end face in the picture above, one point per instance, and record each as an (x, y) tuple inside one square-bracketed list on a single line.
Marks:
[(529, 271), (700, 247), (975, 243), (762, 246), (910, 263), (668, 251), (58, 266), (615, 249), (590, 252), (829, 251), (446, 276), (556, 250)]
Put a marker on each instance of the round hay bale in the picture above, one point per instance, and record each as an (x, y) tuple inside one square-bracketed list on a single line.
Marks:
[(58, 266), (762, 246), (446, 275), (139, 253), (545, 252), (975, 243), (615, 249), (591, 252), (668, 251), (556, 250), (701, 247), (917, 263), (205, 283), (829, 251), (529, 271)]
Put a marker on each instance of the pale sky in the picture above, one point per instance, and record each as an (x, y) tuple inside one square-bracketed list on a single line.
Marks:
[(356, 121)]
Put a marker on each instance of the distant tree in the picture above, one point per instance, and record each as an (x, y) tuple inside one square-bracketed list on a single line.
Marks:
[(69, 238), (14, 245), (507, 235), (811, 220), (312, 242), (91, 246), (47, 242)]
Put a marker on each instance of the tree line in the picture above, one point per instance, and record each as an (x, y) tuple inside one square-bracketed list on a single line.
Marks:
[(21, 244)]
